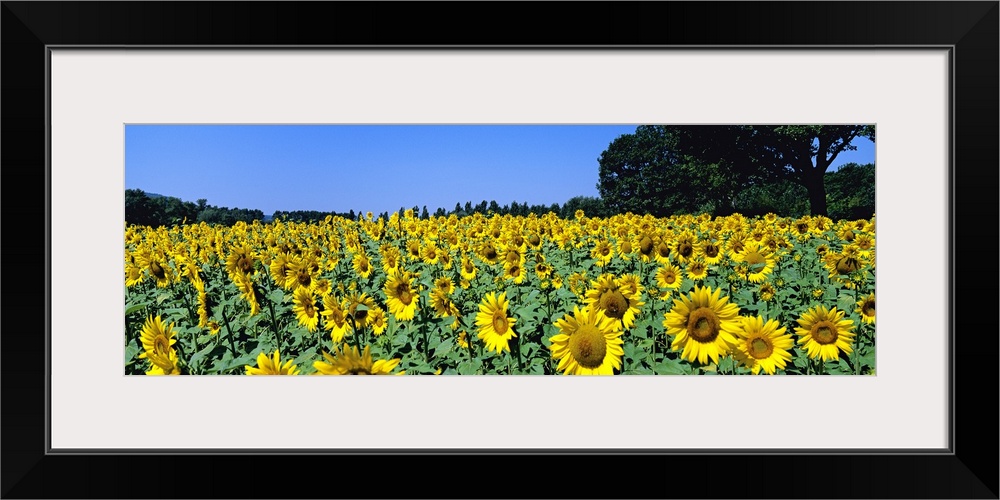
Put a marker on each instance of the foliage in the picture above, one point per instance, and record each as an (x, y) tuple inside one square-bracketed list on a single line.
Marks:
[(851, 190)]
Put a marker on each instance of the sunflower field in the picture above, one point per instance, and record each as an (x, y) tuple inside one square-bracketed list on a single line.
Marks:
[(535, 295)]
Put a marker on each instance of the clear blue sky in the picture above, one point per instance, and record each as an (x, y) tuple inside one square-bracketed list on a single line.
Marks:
[(377, 168)]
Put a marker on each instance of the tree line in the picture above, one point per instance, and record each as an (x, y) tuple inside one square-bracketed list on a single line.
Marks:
[(157, 210), (666, 170)]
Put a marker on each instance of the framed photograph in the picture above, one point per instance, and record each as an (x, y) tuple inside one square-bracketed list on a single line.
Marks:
[(106, 102)]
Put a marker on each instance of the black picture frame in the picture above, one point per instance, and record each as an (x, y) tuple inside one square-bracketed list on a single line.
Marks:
[(968, 470)]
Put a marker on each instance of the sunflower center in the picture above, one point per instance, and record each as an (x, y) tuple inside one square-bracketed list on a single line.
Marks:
[(754, 258), (363, 266), (491, 253), (358, 370), (518, 241), (824, 332), (310, 310), (703, 325), (626, 247), (711, 250), (663, 249), (685, 249), (868, 308), (847, 265), (759, 348), (669, 277), (697, 268), (161, 345), (244, 264), (513, 257), (156, 270), (500, 322), (534, 240), (614, 304), (515, 270), (646, 245), (403, 291), (588, 346), (605, 251), (468, 267), (304, 278)]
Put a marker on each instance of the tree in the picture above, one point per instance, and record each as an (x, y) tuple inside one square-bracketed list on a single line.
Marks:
[(851, 189), (797, 153), (646, 173), (591, 206)]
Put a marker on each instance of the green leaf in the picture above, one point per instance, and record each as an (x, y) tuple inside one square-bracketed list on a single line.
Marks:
[(131, 351), (135, 307), (276, 296), (443, 348), (208, 351), (671, 367), (161, 297)]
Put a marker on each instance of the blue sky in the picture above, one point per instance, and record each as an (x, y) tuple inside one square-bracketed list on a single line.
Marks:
[(377, 168)]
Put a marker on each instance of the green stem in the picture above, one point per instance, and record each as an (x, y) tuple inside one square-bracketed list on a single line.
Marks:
[(274, 321), (232, 343)]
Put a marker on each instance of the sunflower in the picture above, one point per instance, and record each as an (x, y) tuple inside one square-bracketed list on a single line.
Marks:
[(866, 308), (302, 272), (305, 309), (279, 268), (711, 252), (240, 260), (588, 343), (602, 253), (685, 247), (377, 320), (462, 340), (334, 318), (703, 324), (759, 260), (133, 272), (825, 332), (630, 284), (614, 301), (515, 272), (697, 270), (362, 266), (468, 269), (269, 366), (625, 248), (431, 253), (390, 258), (661, 251), (445, 283), (645, 244), (767, 292), (401, 298), (205, 306), (358, 307), (669, 276), (495, 328), (442, 304), (156, 264), (157, 340), (762, 345), (488, 252), (246, 286), (348, 361)]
